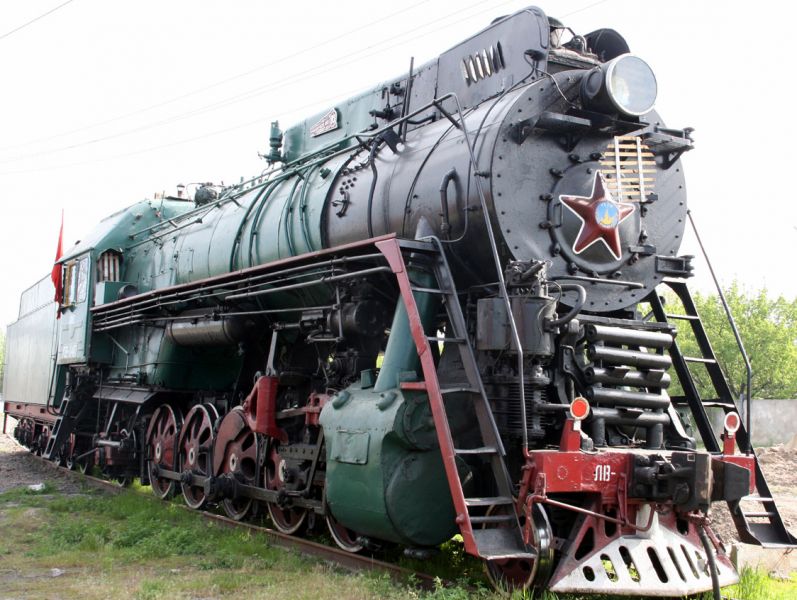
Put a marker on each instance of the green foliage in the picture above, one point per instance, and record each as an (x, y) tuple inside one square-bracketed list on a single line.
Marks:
[(22, 495), (452, 563), (768, 327), (150, 590), (756, 585), (138, 527)]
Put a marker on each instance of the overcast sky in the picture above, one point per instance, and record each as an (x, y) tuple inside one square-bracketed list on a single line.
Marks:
[(105, 102)]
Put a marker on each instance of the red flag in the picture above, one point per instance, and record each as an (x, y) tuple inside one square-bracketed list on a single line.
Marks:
[(56, 274)]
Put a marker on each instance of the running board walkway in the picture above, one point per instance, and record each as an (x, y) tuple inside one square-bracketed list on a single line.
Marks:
[(495, 536), (762, 526)]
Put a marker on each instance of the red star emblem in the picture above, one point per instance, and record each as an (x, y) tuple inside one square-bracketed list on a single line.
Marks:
[(600, 217)]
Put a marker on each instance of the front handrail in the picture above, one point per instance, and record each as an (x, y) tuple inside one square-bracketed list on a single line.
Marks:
[(739, 343)]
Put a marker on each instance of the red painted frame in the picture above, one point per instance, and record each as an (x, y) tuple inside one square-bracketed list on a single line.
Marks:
[(391, 249), (21, 410)]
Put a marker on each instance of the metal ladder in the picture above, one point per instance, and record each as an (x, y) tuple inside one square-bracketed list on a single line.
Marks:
[(771, 532), (68, 416), (492, 537)]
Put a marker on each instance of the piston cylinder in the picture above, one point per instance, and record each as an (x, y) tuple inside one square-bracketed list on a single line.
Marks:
[(202, 328)]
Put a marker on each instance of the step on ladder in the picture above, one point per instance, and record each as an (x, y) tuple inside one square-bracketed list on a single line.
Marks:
[(494, 536), (768, 529), (68, 416)]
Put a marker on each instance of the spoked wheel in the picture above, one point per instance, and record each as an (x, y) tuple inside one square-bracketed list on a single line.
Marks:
[(196, 442), (523, 573), (44, 439), (288, 519), (60, 455), (40, 443), (23, 433), (161, 443), (236, 453), (71, 452), (345, 538), (86, 464), (124, 481), (123, 476)]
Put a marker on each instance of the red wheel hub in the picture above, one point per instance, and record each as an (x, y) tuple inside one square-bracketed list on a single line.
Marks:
[(196, 441), (236, 453), (288, 519), (161, 443)]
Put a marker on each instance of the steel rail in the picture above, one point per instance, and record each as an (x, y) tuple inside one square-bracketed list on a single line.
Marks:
[(136, 313), (287, 170), (248, 277), (224, 293), (218, 290), (144, 319), (140, 309), (347, 560)]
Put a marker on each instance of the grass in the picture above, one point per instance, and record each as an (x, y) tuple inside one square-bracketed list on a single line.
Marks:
[(756, 585), (132, 546)]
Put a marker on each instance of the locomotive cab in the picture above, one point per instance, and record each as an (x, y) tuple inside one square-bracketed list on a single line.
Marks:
[(73, 325)]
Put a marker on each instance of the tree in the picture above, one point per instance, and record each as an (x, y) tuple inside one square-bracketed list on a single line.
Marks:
[(768, 327)]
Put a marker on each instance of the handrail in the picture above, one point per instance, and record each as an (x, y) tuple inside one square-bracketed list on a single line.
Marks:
[(496, 257), (748, 366), (286, 170), (53, 387)]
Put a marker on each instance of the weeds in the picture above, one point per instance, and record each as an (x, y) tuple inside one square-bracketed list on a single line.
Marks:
[(25, 493), (757, 585), (135, 546), (151, 590)]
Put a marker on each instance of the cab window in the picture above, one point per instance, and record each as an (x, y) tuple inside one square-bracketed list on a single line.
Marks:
[(70, 272), (76, 275), (82, 280)]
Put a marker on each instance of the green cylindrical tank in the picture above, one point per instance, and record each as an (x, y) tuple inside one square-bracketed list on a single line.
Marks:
[(385, 476)]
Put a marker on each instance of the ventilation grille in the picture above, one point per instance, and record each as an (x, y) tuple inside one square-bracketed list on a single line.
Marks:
[(629, 168), (482, 65), (108, 266)]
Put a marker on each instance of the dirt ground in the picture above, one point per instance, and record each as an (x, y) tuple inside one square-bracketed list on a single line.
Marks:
[(18, 468)]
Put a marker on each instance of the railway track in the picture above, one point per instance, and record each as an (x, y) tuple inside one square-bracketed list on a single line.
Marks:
[(346, 560)]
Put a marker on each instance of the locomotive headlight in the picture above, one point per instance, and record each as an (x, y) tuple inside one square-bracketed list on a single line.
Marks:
[(625, 84)]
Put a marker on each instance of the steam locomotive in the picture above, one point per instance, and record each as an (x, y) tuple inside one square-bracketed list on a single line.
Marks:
[(437, 312)]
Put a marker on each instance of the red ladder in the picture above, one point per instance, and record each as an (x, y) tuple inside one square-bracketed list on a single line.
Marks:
[(498, 536)]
